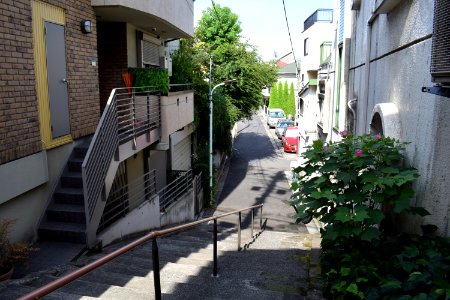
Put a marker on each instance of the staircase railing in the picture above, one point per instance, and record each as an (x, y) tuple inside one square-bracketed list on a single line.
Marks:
[(128, 114), (152, 236), (172, 192)]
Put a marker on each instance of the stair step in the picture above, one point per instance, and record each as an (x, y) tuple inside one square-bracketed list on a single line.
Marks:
[(63, 232), (67, 195), (72, 180), (75, 164), (66, 213), (105, 291)]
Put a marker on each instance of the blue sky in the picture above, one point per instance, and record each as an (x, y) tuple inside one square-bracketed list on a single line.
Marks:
[(264, 24)]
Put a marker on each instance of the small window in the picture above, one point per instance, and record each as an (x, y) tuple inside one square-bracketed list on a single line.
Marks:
[(305, 47), (302, 104)]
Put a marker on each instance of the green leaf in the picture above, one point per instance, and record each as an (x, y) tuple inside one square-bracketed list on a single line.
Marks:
[(346, 177), (329, 167), (361, 213), (342, 214), (345, 271), (320, 180), (377, 216), (391, 284), (389, 170), (370, 233), (419, 211), (369, 177)]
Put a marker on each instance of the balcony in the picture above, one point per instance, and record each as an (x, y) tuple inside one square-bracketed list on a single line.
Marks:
[(165, 18), (320, 15), (177, 111)]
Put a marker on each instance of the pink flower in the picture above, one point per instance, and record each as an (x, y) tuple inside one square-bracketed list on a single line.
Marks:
[(343, 133), (326, 149), (358, 152), (377, 137)]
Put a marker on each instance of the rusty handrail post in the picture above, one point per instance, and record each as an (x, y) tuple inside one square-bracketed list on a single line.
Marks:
[(260, 218), (156, 277), (239, 232), (215, 248), (253, 218)]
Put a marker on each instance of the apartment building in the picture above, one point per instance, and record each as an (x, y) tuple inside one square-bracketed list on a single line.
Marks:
[(80, 149), (316, 37)]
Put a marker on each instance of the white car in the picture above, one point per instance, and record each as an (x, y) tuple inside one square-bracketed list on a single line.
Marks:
[(273, 115)]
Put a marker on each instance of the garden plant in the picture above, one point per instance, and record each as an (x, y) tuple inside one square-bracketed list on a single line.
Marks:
[(360, 189)]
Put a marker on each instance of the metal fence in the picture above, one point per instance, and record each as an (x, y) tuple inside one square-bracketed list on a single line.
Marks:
[(175, 189), (126, 197), (320, 15)]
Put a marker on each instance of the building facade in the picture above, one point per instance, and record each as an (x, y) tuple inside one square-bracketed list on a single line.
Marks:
[(316, 38), (74, 140), (397, 49)]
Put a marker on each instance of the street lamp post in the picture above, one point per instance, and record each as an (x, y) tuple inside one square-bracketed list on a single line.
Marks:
[(211, 91)]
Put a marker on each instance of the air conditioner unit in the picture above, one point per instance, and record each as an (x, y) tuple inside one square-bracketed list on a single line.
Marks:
[(440, 49), (166, 63)]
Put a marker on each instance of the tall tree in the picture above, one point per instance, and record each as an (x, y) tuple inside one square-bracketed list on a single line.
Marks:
[(273, 101), (218, 26), (285, 94), (291, 101)]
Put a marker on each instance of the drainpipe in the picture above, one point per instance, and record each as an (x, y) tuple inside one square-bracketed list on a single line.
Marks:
[(333, 112)]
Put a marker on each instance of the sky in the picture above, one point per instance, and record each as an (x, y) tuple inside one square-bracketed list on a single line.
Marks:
[(263, 22)]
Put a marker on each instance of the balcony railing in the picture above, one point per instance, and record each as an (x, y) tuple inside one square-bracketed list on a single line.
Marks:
[(320, 15)]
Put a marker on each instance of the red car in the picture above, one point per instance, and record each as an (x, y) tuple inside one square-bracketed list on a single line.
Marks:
[(290, 141)]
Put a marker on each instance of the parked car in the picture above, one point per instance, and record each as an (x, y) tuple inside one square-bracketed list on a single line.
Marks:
[(274, 114), (290, 141), (281, 125)]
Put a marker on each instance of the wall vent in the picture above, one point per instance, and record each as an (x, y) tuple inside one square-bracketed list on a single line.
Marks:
[(440, 49)]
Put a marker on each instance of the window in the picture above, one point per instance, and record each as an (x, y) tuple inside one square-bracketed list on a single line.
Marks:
[(305, 47), (440, 54)]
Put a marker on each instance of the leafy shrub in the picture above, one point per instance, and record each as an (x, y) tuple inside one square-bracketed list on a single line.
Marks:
[(358, 187), (154, 78)]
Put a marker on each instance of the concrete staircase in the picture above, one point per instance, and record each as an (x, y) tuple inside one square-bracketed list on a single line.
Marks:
[(64, 219), (275, 265)]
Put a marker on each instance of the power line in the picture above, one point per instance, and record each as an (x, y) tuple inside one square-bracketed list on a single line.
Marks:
[(287, 24)]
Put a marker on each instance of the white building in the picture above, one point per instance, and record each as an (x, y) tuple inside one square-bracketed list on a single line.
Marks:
[(317, 32), (398, 70)]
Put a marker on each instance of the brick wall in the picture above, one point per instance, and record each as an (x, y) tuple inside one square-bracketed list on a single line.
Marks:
[(112, 52), (84, 98), (19, 119)]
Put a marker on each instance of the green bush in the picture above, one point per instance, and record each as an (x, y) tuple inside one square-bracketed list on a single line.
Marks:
[(151, 78), (358, 187)]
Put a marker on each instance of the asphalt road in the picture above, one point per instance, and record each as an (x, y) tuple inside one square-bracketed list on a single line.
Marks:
[(257, 175)]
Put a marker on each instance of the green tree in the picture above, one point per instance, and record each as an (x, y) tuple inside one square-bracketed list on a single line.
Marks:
[(285, 94), (273, 101), (290, 107), (218, 26)]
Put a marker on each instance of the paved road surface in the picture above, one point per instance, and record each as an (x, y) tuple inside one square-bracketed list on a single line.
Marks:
[(257, 175)]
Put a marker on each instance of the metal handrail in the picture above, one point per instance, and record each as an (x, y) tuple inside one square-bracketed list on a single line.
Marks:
[(128, 114), (54, 285)]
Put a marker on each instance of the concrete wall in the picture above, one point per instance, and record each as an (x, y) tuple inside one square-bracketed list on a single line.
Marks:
[(28, 206), (177, 111), (143, 218), (179, 14), (399, 51), (181, 211)]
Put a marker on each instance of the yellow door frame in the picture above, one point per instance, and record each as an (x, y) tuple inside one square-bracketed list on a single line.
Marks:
[(42, 12)]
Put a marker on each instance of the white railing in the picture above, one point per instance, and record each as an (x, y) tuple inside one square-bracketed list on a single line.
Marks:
[(172, 192), (128, 114)]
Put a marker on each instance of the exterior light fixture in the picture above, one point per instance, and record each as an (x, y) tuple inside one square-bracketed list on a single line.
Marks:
[(86, 26)]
